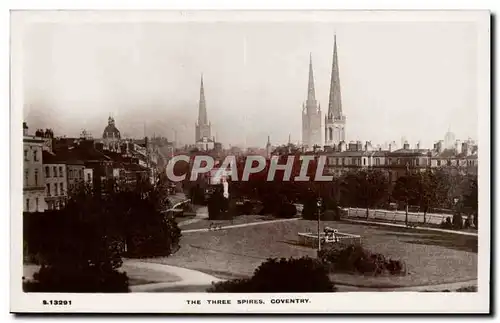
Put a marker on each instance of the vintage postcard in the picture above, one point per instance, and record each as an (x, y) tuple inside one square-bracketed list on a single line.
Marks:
[(250, 161)]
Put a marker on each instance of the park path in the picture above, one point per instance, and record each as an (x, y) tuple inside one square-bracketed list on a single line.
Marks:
[(188, 277), (239, 225), (474, 234), (201, 214)]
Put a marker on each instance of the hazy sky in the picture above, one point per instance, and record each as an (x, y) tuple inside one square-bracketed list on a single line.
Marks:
[(411, 79)]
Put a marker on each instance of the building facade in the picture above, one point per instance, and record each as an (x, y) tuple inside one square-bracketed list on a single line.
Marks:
[(56, 181), (75, 175), (311, 115), (33, 179), (335, 121), (203, 127), (354, 156), (462, 159)]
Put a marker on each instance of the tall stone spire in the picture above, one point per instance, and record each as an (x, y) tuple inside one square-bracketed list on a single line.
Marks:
[(311, 93), (311, 114), (335, 102), (202, 110), (202, 126), (335, 120)]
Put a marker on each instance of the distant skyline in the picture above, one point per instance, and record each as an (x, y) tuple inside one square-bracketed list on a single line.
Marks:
[(398, 79)]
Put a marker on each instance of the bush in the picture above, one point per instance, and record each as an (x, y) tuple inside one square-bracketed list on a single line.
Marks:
[(286, 211), (70, 279), (446, 224), (355, 259), (299, 275)]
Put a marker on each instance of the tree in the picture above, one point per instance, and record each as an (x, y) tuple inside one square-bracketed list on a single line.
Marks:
[(78, 251), (407, 190), (365, 188), (432, 190), (470, 198)]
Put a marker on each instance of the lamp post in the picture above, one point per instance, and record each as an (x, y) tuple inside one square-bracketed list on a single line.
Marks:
[(319, 225), (407, 192)]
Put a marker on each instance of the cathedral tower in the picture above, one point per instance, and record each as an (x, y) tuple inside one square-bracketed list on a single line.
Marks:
[(311, 115), (335, 121), (202, 126)]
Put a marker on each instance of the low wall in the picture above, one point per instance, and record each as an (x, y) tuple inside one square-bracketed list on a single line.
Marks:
[(398, 216)]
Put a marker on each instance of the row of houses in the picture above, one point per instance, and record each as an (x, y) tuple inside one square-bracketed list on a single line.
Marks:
[(54, 167), (345, 157)]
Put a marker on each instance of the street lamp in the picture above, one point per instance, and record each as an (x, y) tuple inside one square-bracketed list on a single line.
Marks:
[(318, 203)]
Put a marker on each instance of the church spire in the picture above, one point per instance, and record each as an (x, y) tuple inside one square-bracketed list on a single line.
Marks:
[(202, 110), (311, 95), (335, 103)]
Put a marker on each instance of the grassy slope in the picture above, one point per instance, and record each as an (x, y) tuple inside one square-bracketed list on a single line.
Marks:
[(431, 257)]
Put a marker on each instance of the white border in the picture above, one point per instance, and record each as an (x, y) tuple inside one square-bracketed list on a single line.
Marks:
[(320, 303)]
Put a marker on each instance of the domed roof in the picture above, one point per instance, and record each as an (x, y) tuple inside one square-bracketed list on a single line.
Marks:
[(111, 132)]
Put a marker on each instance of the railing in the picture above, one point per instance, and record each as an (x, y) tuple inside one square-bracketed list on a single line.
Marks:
[(310, 239), (399, 216)]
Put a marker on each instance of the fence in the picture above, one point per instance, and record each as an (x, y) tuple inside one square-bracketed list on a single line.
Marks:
[(399, 216), (311, 239)]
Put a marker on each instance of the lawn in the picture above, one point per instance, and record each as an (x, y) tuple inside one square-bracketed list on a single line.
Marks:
[(431, 257), (137, 276)]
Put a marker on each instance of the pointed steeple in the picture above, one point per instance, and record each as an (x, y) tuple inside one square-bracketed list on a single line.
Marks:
[(202, 110), (335, 102), (311, 93)]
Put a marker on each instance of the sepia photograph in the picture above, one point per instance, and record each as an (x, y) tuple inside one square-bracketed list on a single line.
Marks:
[(246, 161)]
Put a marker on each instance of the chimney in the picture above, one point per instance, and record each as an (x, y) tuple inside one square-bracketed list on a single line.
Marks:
[(25, 129), (390, 147), (466, 149), (368, 146), (458, 147), (418, 145), (342, 146), (438, 146), (406, 145), (359, 146)]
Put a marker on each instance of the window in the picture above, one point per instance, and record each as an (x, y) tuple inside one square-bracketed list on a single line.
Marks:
[(364, 161), (47, 171), (55, 189), (36, 177), (61, 188), (81, 174), (36, 204), (377, 161), (54, 171), (448, 162), (398, 161), (26, 174), (48, 189), (88, 177), (417, 162), (439, 163), (27, 205), (60, 171), (343, 161), (26, 154), (35, 155), (337, 161)]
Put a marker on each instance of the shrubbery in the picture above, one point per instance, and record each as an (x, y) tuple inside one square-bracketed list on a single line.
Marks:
[(77, 279), (299, 275), (80, 246), (355, 259)]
